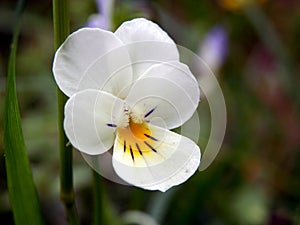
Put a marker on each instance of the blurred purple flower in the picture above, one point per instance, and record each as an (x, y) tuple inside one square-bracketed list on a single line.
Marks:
[(213, 50), (103, 18)]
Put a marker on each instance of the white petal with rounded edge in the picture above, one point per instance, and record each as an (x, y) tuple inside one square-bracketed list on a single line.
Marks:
[(90, 117), (169, 91), (77, 53), (147, 44), (141, 29), (111, 72), (175, 160)]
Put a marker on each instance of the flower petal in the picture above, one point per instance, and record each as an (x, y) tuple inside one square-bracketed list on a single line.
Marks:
[(141, 29), (147, 44), (168, 161), (111, 72), (167, 91), (90, 120), (77, 53)]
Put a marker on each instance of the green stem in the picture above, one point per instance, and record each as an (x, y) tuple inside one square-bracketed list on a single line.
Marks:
[(61, 31), (98, 203)]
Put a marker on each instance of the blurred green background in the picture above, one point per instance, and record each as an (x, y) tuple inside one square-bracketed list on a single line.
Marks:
[(256, 176)]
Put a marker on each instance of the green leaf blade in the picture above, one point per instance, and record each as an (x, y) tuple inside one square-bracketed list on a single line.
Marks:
[(22, 193)]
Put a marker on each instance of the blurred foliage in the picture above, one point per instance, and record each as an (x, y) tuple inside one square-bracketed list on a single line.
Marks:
[(255, 178)]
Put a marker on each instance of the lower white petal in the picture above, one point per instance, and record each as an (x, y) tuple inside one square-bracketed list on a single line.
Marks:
[(163, 160), (90, 120)]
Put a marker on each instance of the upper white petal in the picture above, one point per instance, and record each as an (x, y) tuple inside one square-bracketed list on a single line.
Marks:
[(170, 90), (147, 44), (141, 29), (175, 160), (80, 50), (87, 115), (111, 72)]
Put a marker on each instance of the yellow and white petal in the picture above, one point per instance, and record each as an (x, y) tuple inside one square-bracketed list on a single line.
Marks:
[(91, 118), (147, 44), (167, 91), (162, 160), (80, 50)]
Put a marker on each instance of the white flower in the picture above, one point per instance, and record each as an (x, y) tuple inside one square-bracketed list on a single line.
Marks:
[(127, 89)]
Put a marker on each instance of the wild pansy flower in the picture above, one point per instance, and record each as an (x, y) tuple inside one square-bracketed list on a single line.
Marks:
[(103, 18), (213, 50), (127, 90)]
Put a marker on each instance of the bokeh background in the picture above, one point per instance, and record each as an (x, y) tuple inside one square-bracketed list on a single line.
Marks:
[(253, 48)]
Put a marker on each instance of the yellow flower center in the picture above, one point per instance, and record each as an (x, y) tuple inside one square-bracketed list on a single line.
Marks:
[(136, 139)]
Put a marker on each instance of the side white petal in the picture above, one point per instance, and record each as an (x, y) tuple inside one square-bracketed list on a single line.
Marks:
[(169, 91), (147, 44), (174, 160), (80, 50), (90, 117)]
